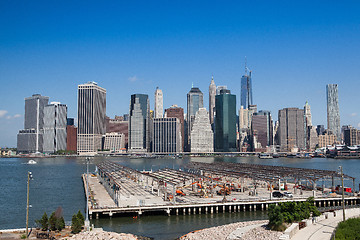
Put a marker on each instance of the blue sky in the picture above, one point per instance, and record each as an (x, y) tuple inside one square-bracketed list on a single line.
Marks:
[(293, 49)]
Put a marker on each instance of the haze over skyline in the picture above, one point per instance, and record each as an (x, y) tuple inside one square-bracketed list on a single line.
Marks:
[(293, 50)]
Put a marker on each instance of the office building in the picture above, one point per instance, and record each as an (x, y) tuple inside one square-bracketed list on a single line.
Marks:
[(246, 90), (333, 114), (177, 112), (55, 122), (307, 112), (139, 123), (71, 136), (194, 103), (219, 88), (225, 122), (291, 129), (212, 94), (166, 135), (320, 129), (30, 139), (114, 142), (158, 103), (351, 136), (118, 125), (327, 139), (243, 118), (262, 128), (91, 118), (202, 137)]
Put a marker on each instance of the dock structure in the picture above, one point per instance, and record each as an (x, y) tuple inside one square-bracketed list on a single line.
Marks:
[(203, 188)]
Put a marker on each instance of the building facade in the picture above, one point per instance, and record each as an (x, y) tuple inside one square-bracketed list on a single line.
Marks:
[(166, 135), (225, 122), (262, 128), (351, 136), (71, 135), (327, 140), (118, 125), (202, 137), (177, 112), (30, 139), (55, 122), (246, 91), (212, 94), (158, 103), (333, 114), (195, 101), (91, 118), (114, 142), (139, 123), (291, 129)]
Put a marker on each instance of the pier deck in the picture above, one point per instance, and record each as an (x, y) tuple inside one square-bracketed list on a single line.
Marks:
[(121, 190)]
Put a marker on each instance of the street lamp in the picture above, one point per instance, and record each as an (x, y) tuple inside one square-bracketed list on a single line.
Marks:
[(342, 183), (87, 222), (29, 177)]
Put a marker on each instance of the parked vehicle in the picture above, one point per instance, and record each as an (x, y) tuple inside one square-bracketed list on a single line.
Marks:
[(288, 194), (277, 194)]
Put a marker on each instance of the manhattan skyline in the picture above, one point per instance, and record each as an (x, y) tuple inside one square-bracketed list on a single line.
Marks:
[(293, 51)]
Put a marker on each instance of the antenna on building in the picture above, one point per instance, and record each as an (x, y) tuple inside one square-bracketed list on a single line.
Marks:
[(192, 85), (246, 66)]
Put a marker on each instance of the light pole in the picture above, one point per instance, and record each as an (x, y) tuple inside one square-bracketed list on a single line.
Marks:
[(87, 222), (342, 183), (29, 177)]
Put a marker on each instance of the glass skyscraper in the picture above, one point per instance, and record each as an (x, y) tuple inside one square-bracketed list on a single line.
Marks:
[(333, 114), (225, 122), (195, 101), (246, 91), (139, 131)]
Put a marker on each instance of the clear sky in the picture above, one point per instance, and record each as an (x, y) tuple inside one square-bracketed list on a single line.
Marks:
[(293, 50)]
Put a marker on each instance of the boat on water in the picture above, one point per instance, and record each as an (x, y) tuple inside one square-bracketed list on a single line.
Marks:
[(265, 156), (32, 161)]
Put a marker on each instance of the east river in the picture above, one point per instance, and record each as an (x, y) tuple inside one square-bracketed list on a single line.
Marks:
[(57, 183)]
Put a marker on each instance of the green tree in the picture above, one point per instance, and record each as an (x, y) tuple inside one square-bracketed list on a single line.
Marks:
[(81, 218), (60, 223), (43, 222), (75, 224), (52, 222), (276, 218)]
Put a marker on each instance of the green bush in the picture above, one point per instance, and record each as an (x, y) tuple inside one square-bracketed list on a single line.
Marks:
[(289, 212), (60, 223), (350, 229)]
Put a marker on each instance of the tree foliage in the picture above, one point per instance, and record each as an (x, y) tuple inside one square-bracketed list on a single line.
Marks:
[(43, 222), (77, 222), (290, 212), (52, 222)]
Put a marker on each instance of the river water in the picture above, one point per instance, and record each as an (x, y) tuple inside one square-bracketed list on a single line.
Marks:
[(57, 183)]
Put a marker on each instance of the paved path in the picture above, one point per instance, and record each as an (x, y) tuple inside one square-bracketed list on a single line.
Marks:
[(323, 229)]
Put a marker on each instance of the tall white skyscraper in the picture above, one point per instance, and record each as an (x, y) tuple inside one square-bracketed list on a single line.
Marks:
[(158, 103), (212, 93), (55, 117), (307, 112), (202, 137), (333, 114), (91, 117)]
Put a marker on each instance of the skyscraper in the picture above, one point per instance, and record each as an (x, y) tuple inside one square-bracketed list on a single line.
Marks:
[(158, 103), (139, 123), (225, 122), (55, 121), (166, 135), (212, 94), (202, 137), (307, 112), (195, 101), (246, 90), (291, 129), (30, 139), (91, 117), (333, 114), (262, 125), (177, 112)]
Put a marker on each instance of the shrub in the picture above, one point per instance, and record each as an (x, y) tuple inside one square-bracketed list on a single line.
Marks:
[(60, 223), (76, 222), (350, 229), (81, 217)]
